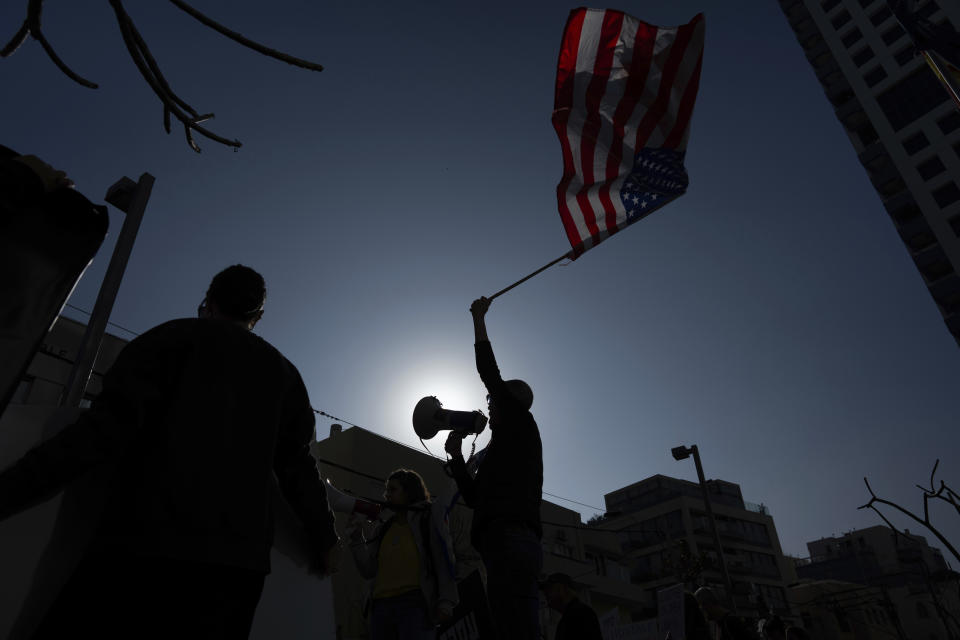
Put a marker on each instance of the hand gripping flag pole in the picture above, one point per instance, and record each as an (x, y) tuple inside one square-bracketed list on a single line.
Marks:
[(624, 98)]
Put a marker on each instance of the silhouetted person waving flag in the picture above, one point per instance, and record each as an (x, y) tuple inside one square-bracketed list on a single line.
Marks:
[(195, 418), (505, 494)]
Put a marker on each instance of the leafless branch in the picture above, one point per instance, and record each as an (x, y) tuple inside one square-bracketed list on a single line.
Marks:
[(925, 521), (146, 64), (18, 38), (152, 64), (236, 37), (31, 26), (140, 53)]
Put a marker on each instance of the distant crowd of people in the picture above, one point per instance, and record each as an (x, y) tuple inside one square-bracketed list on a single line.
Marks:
[(196, 418)]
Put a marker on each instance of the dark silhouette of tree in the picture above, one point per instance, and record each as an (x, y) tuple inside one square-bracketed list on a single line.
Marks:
[(147, 65), (943, 492)]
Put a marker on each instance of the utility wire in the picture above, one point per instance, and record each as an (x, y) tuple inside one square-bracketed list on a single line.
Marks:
[(436, 457), (84, 311), (552, 524)]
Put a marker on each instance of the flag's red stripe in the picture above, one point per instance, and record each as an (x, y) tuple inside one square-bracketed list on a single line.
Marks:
[(563, 101), (606, 47), (675, 136), (644, 40), (659, 107), (567, 64)]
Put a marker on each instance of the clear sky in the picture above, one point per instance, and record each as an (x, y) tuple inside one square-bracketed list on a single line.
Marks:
[(771, 315)]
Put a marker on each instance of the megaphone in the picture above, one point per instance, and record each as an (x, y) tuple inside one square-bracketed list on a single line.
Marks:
[(343, 503), (429, 417)]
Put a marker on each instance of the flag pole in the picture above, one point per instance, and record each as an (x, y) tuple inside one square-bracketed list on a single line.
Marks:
[(569, 254), (943, 75)]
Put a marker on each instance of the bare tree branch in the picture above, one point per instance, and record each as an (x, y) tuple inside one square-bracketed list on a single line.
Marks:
[(236, 37), (874, 499), (18, 39), (152, 64), (31, 26), (140, 53), (141, 57)]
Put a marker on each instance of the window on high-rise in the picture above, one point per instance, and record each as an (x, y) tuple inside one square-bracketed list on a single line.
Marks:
[(822, 59), (867, 134), (841, 19), (955, 225), (852, 37), (891, 187), (905, 55), (947, 194), (915, 143), (880, 15), (906, 213), (928, 9), (950, 122), (936, 268), (930, 168), (862, 56), (893, 34), (914, 96), (803, 25), (874, 76), (811, 41)]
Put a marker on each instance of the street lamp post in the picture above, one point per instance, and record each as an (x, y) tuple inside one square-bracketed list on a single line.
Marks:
[(682, 453), (131, 198)]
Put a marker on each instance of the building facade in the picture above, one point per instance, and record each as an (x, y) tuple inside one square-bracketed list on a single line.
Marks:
[(665, 538), (895, 572), (901, 121), (47, 374), (838, 610)]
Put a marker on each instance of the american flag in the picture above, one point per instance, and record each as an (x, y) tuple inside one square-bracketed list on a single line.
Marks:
[(624, 97)]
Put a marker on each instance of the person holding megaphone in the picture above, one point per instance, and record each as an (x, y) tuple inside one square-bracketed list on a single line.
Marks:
[(505, 494), (409, 558)]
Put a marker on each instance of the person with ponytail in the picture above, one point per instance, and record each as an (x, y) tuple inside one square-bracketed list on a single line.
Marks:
[(409, 558)]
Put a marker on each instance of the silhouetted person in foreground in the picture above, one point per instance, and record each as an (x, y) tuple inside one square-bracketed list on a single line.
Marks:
[(195, 418), (505, 494), (578, 620)]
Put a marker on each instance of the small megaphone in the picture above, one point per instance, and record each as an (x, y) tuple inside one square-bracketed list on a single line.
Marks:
[(343, 503), (429, 417)]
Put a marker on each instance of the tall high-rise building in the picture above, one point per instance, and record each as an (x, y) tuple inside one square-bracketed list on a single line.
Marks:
[(901, 121)]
